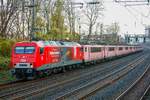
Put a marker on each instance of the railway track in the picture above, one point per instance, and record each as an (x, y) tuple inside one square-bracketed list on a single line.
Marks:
[(136, 90), (24, 90), (26, 83), (146, 95), (90, 88), (59, 88), (17, 83)]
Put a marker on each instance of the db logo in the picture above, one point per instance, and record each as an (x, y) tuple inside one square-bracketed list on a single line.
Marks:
[(23, 60), (23, 56)]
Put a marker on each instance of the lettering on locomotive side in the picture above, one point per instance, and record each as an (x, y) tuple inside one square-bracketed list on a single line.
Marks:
[(54, 53), (55, 60)]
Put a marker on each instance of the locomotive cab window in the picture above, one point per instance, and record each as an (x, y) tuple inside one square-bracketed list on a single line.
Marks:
[(24, 50), (19, 50)]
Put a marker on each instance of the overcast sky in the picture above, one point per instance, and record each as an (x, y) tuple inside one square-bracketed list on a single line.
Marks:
[(131, 19)]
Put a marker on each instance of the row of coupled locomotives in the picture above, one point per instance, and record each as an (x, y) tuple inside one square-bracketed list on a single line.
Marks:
[(37, 58)]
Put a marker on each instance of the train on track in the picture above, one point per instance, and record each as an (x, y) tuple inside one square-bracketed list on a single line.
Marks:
[(38, 58)]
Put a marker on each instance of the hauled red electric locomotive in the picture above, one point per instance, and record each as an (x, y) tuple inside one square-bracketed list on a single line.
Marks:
[(32, 58), (36, 58)]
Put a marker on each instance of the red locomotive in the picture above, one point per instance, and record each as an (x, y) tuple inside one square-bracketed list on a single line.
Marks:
[(30, 59)]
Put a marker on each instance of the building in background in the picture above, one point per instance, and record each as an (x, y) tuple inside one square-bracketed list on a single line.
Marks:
[(103, 39), (147, 31), (135, 39)]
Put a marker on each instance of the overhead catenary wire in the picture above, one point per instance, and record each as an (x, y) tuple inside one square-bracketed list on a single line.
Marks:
[(133, 2), (134, 12)]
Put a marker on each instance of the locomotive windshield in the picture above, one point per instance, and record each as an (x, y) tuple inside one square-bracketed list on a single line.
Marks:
[(24, 50)]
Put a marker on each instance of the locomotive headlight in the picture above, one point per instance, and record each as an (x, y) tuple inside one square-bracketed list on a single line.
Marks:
[(31, 65), (14, 65)]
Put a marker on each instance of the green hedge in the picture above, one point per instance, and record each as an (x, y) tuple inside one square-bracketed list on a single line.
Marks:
[(5, 47), (4, 63), (5, 52), (5, 77)]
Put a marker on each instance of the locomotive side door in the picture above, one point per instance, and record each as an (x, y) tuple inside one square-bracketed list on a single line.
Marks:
[(42, 56)]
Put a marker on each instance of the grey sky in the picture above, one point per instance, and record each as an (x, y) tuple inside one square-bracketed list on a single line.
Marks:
[(131, 19)]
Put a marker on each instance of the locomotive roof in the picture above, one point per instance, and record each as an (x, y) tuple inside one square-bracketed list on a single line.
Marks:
[(62, 43), (57, 43)]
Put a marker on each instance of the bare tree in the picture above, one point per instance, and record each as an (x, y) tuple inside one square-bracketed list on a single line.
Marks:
[(113, 28), (70, 15), (8, 9), (46, 10), (14, 18), (92, 12)]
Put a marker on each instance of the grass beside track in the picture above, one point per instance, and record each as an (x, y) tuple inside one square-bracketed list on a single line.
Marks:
[(5, 77)]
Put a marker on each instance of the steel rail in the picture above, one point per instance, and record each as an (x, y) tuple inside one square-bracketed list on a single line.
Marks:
[(34, 83), (128, 89), (24, 87), (106, 80), (145, 93), (20, 82), (50, 86)]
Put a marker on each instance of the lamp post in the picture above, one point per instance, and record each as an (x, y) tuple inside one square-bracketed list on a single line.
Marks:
[(33, 12), (33, 20)]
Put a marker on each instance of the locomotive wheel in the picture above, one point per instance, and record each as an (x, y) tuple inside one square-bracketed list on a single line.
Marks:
[(81, 66), (55, 70), (78, 65), (74, 66), (63, 70), (69, 68), (49, 72), (32, 77), (40, 74), (18, 77), (94, 62)]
